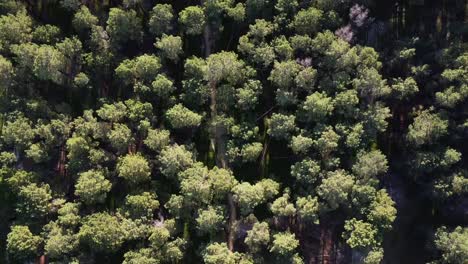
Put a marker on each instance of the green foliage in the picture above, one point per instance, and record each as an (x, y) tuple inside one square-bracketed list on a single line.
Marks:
[(34, 201), (120, 137), (68, 215), (102, 232), (374, 256), (308, 208), (307, 21), (306, 171), (198, 184), (59, 243), (282, 206), (140, 206), (15, 29), (170, 47), (18, 133), (281, 126), (454, 244), (157, 139), (209, 220), (258, 237), (249, 196), (175, 159), (123, 26), (92, 187), (335, 189), (359, 234), (192, 18), (84, 20), (46, 34), (301, 144), (161, 19), (383, 211), (426, 128), (317, 106), (134, 168), (22, 244), (222, 131), (180, 116), (370, 165), (162, 86), (218, 253), (284, 244), (140, 69), (141, 256)]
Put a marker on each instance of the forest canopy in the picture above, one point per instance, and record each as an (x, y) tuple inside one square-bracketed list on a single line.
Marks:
[(234, 132)]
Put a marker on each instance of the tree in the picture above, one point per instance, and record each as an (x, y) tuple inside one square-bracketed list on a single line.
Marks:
[(18, 133), (327, 142), (335, 189), (15, 29), (134, 168), (307, 21), (34, 201), (374, 256), (141, 256), (48, 64), (181, 117), (102, 232), (370, 165), (123, 26), (453, 244), (218, 253), (382, 210), (46, 34), (317, 106), (282, 206), (140, 206), (404, 89), (84, 20), (92, 187), (175, 159), (21, 178), (139, 72), (112, 112), (301, 144), (163, 87), (281, 126), (161, 19), (59, 243), (306, 171), (248, 196), (6, 77), (456, 91), (120, 137), (283, 76), (192, 18), (70, 4), (426, 128), (68, 215), (210, 220), (359, 234), (22, 244), (371, 85), (284, 244), (157, 139), (258, 237), (308, 208), (170, 47), (201, 185)]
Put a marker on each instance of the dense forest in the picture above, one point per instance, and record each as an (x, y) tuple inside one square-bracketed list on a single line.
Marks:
[(234, 131)]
